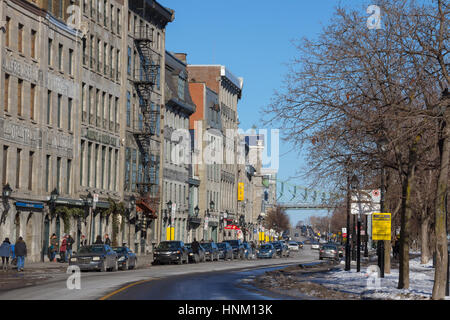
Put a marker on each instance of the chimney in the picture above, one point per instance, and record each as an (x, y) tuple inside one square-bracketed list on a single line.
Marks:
[(181, 57)]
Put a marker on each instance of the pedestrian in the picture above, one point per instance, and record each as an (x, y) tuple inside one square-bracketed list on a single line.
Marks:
[(83, 240), (107, 240), (63, 249), (70, 242), (396, 248), (98, 240), (21, 252), (5, 253), (54, 247)]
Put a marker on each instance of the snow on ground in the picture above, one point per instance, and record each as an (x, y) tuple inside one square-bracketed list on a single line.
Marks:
[(365, 283)]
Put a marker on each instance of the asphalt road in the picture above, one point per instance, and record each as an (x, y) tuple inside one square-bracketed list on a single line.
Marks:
[(209, 280)]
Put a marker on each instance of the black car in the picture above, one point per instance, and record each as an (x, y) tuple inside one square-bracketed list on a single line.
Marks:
[(200, 257), (281, 249), (238, 248), (171, 251), (126, 258), (211, 250), (225, 251), (95, 257)]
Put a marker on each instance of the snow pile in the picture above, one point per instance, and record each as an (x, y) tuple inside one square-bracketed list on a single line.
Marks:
[(366, 284)]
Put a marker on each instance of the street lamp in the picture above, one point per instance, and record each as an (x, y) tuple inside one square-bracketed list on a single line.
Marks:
[(6, 193), (90, 202), (196, 211), (212, 205)]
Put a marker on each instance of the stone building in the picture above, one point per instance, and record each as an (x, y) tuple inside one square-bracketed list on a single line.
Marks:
[(208, 137), (73, 119), (229, 90), (177, 149)]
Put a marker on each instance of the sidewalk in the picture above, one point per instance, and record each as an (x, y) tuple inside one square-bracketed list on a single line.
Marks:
[(39, 272)]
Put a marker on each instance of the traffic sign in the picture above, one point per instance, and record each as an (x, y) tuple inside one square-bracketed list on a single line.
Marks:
[(95, 197), (381, 226)]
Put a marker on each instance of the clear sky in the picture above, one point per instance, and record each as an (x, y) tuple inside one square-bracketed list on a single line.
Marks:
[(254, 40)]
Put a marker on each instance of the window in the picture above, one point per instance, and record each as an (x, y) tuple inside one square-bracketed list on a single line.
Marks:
[(68, 175), (103, 167), (6, 94), (128, 109), (47, 173), (32, 100), (97, 108), (127, 168), (30, 170), (119, 22), (83, 143), (129, 61), (83, 102), (5, 165), (103, 119), (19, 97), (58, 173), (181, 84), (69, 114), (70, 61), (7, 27), (58, 120), (50, 6), (133, 169), (116, 111), (20, 38), (108, 186), (116, 159), (97, 149), (85, 56), (89, 164), (18, 163), (50, 48), (49, 106), (61, 7), (60, 60)]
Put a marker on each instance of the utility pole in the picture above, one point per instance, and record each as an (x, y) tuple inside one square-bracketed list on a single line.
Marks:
[(347, 242)]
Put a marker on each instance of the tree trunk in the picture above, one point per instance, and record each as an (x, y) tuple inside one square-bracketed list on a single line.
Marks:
[(440, 274), (424, 240), (387, 256), (405, 224)]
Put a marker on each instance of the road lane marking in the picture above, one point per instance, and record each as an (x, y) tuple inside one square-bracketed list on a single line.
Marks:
[(125, 288)]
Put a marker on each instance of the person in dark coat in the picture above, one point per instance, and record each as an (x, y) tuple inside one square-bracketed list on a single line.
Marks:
[(98, 240), (195, 246), (21, 252), (54, 247), (70, 242), (5, 253), (107, 240)]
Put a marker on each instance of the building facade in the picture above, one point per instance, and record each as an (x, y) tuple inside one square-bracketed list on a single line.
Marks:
[(73, 117)]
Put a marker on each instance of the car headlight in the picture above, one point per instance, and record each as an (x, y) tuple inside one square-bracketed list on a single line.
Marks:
[(73, 259), (96, 259), (122, 258), (191, 254)]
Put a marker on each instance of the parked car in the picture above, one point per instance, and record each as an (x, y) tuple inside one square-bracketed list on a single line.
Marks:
[(292, 245), (238, 248), (266, 251), (300, 244), (95, 257), (211, 250), (329, 251), (248, 251), (125, 258), (315, 245), (171, 251), (225, 251), (281, 249), (196, 258)]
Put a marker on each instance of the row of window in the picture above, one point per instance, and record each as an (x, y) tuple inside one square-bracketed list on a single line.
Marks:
[(25, 167), (26, 93), (105, 14), (135, 176), (99, 108), (102, 58), (177, 193), (98, 166)]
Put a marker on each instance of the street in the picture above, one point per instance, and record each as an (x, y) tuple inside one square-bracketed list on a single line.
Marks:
[(209, 280)]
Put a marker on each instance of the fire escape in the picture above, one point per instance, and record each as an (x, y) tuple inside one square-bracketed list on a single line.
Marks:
[(146, 130)]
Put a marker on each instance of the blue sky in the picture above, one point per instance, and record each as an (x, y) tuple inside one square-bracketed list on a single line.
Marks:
[(254, 40)]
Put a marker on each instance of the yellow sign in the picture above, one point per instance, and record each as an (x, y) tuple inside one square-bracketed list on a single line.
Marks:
[(267, 238), (381, 226), (170, 234), (240, 191)]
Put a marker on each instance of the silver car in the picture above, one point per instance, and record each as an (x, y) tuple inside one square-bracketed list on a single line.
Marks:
[(329, 251), (99, 257)]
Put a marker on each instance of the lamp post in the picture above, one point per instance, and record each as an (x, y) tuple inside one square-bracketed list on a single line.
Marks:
[(169, 215), (355, 186), (380, 245), (6, 194), (89, 202), (131, 207)]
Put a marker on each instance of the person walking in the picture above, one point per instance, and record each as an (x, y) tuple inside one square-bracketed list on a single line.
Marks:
[(54, 247), (195, 248), (5, 253), (21, 252), (107, 240), (83, 240), (98, 240), (63, 249), (70, 242)]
